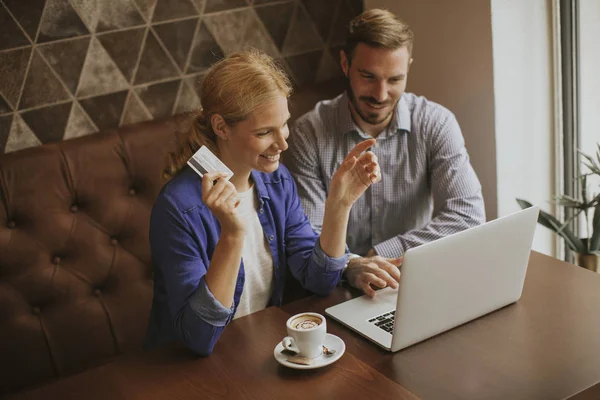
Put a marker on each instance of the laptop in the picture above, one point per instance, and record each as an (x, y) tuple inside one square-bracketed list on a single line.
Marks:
[(446, 283)]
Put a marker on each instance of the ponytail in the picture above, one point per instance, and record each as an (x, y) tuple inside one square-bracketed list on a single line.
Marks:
[(198, 134)]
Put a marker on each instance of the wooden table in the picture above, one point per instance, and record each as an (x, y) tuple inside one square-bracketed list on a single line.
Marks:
[(547, 346)]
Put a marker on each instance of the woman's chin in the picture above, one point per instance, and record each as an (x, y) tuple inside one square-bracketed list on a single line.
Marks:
[(272, 167)]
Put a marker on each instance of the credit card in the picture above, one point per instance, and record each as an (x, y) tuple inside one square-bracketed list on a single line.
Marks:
[(204, 161)]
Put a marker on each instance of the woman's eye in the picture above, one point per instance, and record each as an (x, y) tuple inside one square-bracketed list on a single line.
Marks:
[(261, 134)]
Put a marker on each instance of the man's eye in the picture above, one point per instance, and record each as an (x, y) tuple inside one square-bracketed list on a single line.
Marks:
[(261, 134)]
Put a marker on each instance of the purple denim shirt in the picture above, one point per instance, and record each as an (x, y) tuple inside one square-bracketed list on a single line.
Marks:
[(183, 236)]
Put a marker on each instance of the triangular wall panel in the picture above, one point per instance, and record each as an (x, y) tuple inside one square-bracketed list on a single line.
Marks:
[(66, 59), (21, 136), (48, 123), (28, 14), (100, 74), (13, 65), (73, 67), (41, 85), (79, 123), (177, 38), (124, 48), (105, 110), (276, 19), (60, 21)]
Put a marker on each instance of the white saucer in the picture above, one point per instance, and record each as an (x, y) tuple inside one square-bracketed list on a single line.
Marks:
[(331, 341)]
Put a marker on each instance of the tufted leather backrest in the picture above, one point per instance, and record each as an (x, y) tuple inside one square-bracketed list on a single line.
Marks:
[(75, 270)]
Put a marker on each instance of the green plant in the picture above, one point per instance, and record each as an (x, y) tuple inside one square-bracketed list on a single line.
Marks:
[(591, 243)]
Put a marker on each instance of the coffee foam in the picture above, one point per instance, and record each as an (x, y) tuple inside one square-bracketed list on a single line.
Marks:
[(306, 322)]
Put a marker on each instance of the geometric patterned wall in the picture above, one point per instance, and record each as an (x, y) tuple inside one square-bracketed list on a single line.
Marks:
[(70, 68)]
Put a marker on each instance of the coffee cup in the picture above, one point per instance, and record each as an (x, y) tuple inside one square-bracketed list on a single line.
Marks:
[(306, 334)]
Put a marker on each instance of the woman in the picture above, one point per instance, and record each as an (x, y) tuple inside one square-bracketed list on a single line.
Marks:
[(222, 248)]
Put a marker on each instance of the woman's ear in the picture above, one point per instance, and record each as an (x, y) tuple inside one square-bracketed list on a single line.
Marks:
[(219, 126)]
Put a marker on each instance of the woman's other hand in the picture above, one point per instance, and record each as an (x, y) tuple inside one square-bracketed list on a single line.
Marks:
[(357, 172)]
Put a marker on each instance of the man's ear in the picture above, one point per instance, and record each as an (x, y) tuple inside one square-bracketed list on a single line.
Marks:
[(409, 63), (344, 63), (219, 126)]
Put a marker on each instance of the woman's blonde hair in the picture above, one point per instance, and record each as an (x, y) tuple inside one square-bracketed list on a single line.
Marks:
[(233, 88), (378, 28)]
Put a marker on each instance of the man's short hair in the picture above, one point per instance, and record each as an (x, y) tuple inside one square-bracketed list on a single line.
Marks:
[(378, 28)]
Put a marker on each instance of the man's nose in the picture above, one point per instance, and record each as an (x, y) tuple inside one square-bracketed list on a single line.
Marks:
[(380, 92)]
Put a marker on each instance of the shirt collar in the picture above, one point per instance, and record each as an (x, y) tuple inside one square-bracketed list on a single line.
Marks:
[(400, 119), (261, 188)]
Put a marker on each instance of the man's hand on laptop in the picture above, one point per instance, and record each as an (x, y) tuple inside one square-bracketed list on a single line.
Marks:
[(372, 271)]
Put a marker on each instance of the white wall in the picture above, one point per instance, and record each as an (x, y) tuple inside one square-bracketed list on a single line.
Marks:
[(522, 37), (490, 63), (589, 21)]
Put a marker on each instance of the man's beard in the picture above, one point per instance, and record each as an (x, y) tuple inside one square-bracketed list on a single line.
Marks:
[(372, 119)]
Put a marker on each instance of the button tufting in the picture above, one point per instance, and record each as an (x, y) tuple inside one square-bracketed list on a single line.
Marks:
[(56, 260), (132, 192), (35, 311), (74, 208), (114, 241), (97, 292), (11, 225)]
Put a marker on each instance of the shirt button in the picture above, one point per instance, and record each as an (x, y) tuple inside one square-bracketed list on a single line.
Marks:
[(74, 208), (277, 267), (114, 241), (35, 311), (11, 225), (261, 211), (97, 292), (271, 237)]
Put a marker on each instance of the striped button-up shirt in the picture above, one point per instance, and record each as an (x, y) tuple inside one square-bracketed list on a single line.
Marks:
[(428, 189)]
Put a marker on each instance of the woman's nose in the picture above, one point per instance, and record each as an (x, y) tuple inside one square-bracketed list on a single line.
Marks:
[(283, 145), (282, 139)]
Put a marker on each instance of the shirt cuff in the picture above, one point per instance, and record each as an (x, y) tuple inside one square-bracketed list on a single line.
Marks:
[(351, 256), (391, 248), (329, 263), (208, 308)]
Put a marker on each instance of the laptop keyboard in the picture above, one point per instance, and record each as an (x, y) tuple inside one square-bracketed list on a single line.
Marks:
[(385, 321)]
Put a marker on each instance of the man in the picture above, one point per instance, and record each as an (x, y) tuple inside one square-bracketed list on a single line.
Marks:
[(428, 190)]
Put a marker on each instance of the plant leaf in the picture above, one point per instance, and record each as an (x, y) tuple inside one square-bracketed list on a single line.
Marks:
[(525, 204), (555, 225), (591, 164), (595, 239), (595, 169), (568, 201), (572, 241)]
